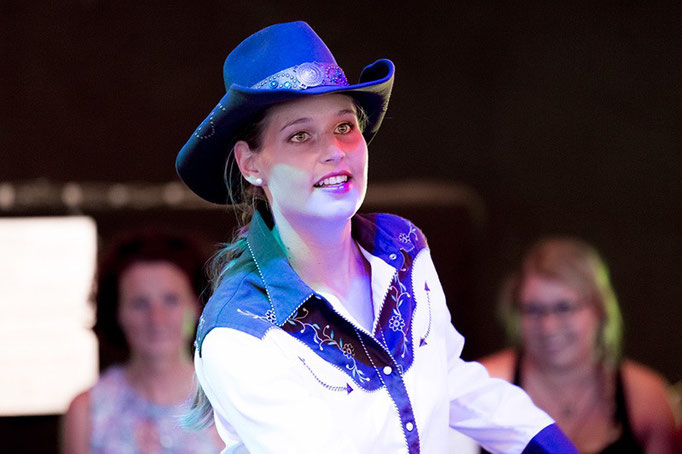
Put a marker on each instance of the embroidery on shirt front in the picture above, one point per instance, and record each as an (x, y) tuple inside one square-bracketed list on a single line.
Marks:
[(348, 388), (395, 320), (269, 315), (410, 238), (422, 341), (325, 336), (397, 292)]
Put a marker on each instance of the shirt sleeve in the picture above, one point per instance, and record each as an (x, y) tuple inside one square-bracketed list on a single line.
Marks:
[(496, 414), (256, 386)]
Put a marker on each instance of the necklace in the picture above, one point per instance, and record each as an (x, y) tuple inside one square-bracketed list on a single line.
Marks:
[(571, 404)]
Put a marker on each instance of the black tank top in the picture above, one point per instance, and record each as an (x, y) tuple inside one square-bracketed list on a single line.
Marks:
[(626, 443)]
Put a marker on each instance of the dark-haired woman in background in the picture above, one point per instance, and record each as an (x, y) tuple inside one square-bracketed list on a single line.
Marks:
[(147, 306), (562, 313)]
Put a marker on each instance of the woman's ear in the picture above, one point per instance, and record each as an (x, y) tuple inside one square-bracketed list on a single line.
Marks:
[(247, 162)]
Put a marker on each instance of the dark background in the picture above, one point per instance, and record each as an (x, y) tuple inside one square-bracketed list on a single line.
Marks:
[(562, 119)]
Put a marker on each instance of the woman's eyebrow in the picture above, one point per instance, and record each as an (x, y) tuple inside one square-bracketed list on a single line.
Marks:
[(294, 122), (307, 119)]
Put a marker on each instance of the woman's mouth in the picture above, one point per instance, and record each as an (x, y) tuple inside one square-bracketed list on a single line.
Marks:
[(331, 182), (335, 184), (554, 344)]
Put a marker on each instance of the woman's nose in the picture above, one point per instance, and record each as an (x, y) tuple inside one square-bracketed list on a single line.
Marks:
[(548, 322), (333, 151), (157, 314)]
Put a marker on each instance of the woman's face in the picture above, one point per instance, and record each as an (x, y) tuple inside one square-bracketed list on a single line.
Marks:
[(157, 308), (313, 159), (559, 329)]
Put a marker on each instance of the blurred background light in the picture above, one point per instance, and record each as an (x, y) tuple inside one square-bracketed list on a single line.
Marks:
[(49, 353)]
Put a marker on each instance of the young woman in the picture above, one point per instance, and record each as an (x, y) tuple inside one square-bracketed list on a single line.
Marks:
[(563, 315), (327, 330), (147, 305)]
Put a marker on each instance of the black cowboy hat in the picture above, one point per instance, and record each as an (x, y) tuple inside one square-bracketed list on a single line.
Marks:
[(280, 63)]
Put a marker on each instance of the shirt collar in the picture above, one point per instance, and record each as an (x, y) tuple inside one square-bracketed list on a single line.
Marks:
[(286, 291)]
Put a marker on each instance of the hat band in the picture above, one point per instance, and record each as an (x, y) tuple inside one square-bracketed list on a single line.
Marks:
[(304, 76)]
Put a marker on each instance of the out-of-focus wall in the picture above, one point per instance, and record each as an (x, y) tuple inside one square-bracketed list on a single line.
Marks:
[(563, 119)]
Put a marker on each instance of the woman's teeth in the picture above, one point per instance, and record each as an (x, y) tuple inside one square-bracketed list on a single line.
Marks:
[(338, 179)]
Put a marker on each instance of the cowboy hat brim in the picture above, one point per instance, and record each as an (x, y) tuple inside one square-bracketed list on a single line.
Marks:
[(202, 161)]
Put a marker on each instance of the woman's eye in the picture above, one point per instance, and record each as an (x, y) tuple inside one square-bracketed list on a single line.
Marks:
[(299, 137), (344, 128), (171, 300), (531, 310), (563, 307), (138, 304)]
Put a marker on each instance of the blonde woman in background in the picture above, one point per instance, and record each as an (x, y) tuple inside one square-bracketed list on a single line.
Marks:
[(562, 314)]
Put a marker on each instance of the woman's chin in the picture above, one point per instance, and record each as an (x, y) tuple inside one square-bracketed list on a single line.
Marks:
[(557, 359), (159, 349), (340, 208)]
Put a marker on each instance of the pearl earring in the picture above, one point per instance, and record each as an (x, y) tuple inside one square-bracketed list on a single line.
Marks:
[(258, 181)]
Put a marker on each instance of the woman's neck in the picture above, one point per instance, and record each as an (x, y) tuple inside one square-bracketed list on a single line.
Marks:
[(164, 381), (323, 253), (326, 258), (560, 377), (580, 400)]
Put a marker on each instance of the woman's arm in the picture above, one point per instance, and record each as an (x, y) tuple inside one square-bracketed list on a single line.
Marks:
[(258, 393), (75, 430), (500, 364), (498, 415), (649, 408)]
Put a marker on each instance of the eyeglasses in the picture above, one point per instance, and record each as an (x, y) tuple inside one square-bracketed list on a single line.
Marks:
[(561, 309)]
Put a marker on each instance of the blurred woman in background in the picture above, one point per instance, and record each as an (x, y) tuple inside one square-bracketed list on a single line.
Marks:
[(147, 298), (562, 314)]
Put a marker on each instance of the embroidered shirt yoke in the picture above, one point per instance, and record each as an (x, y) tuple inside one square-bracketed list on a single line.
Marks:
[(288, 370)]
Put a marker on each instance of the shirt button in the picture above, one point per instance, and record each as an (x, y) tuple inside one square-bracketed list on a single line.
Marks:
[(392, 256), (388, 370), (409, 426)]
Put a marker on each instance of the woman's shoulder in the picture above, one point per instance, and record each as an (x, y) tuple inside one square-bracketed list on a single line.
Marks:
[(80, 405), (385, 221), (75, 427), (109, 388), (111, 377), (648, 401), (643, 382), (397, 228), (240, 302), (500, 364), (106, 388), (241, 282)]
